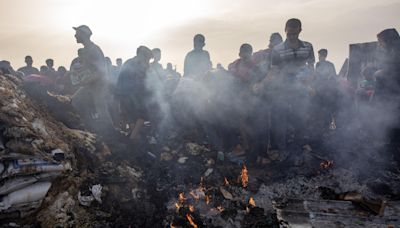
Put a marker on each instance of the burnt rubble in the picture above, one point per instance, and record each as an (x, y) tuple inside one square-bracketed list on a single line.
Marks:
[(80, 179)]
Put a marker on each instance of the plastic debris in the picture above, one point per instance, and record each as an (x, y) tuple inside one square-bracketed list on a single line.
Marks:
[(208, 172), (32, 193), (182, 160), (165, 156), (195, 149), (85, 200), (96, 192)]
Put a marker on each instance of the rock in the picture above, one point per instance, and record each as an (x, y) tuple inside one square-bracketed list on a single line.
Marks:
[(165, 156), (182, 160), (195, 149), (208, 172)]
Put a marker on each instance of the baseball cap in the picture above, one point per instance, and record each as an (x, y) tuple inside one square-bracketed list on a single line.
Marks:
[(84, 29)]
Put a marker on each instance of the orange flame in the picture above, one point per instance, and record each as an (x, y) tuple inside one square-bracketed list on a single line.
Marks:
[(252, 202), (207, 198), (226, 182), (191, 208), (177, 206), (244, 177), (181, 197), (190, 219)]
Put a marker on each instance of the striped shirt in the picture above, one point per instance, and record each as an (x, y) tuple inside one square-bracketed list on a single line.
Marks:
[(290, 60)]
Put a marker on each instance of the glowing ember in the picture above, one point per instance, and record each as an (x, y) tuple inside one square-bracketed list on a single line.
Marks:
[(190, 219), (181, 197), (207, 198), (326, 164), (226, 182), (191, 208), (220, 209), (244, 177), (252, 202)]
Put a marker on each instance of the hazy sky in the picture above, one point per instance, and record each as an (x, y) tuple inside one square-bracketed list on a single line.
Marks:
[(43, 28)]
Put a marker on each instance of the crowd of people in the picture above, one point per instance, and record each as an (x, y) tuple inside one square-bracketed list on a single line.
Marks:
[(261, 103)]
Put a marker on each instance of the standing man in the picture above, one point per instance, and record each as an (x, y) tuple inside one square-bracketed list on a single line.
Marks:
[(92, 91), (133, 92), (28, 69), (292, 65), (50, 68), (197, 62), (324, 69)]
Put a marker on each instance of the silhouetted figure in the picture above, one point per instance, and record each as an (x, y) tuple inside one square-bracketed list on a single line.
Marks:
[(92, 92), (388, 76), (326, 87), (118, 61), (50, 68), (197, 62), (172, 73), (6, 68), (43, 70), (156, 66), (293, 64), (28, 69), (132, 90), (263, 57), (324, 69)]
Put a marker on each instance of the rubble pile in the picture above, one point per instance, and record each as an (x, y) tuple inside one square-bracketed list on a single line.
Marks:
[(41, 160), (55, 176)]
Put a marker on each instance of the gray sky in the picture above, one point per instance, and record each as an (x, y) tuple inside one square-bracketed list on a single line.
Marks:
[(43, 28)]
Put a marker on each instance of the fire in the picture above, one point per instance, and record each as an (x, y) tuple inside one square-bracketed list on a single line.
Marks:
[(220, 209), (252, 202), (190, 219), (326, 164), (181, 197), (207, 198), (177, 206), (226, 182), (191, 208), (244, 177)]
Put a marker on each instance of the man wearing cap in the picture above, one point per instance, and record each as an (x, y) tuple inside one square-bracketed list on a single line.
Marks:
[(92, 89), (133, 91), (197, 62)]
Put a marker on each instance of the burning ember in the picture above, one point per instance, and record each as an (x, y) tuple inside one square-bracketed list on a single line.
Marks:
[(191, 208), (252, 202), (226, 182), (181, 197), (244, 177), (326, 164), (190, 219), (207, 198), (177, 206)]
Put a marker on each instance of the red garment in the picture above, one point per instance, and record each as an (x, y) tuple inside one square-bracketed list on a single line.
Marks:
[(242, 69), (43, 80)]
